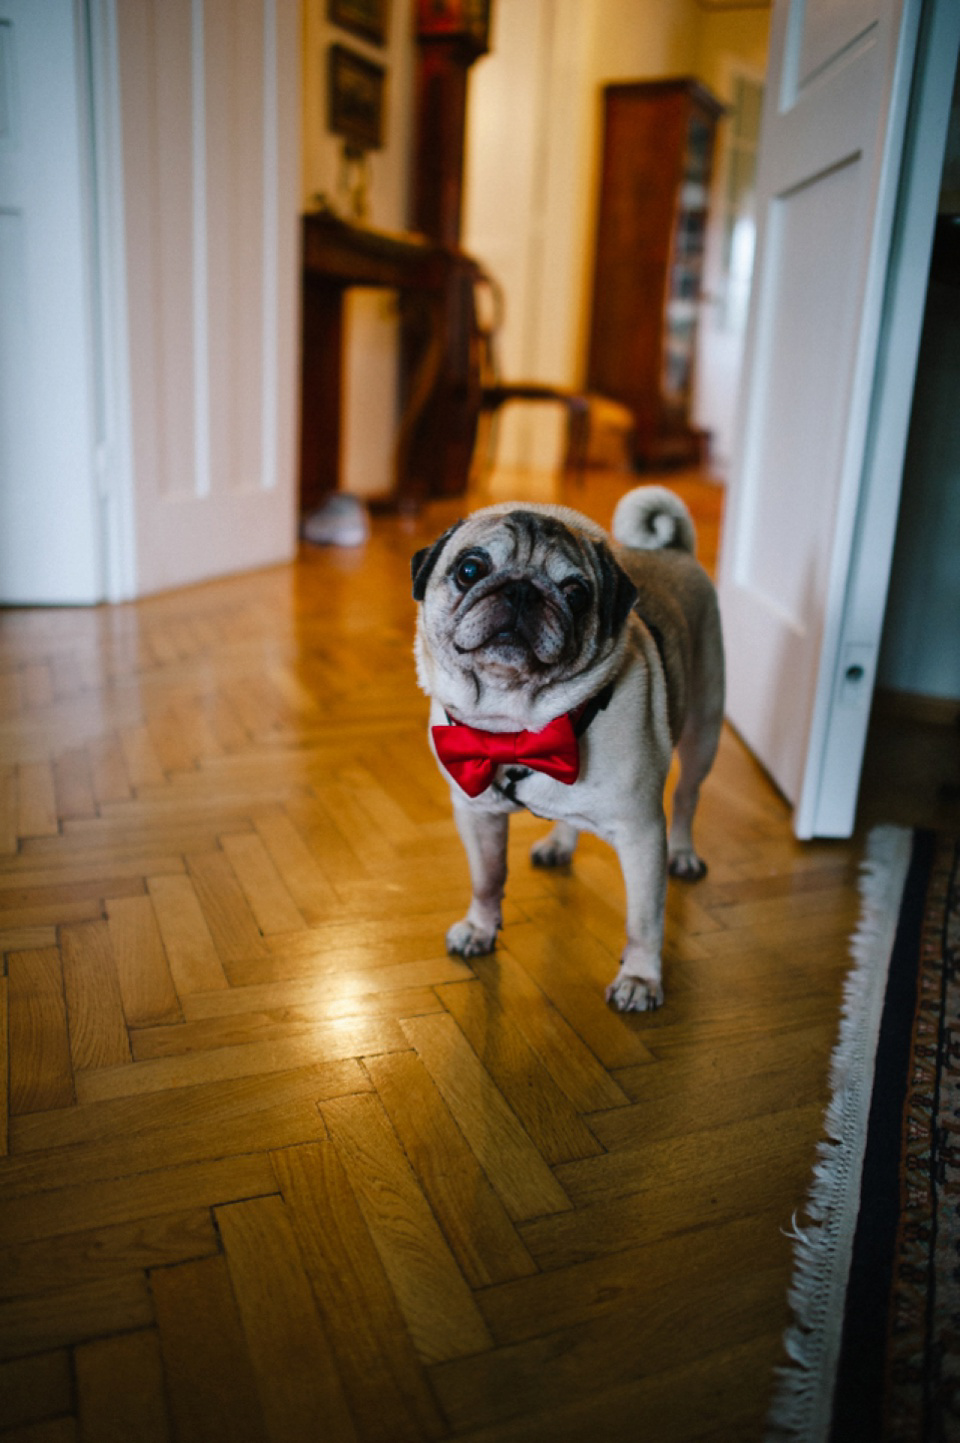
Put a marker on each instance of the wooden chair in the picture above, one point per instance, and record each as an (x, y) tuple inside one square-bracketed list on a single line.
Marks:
[(599, 431)]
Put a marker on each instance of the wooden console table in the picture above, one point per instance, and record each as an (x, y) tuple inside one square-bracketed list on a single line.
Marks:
[(335, 256)]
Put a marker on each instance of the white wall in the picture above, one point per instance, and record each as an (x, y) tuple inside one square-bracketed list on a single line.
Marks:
[(525, 204), (371, 345), (731, 43)]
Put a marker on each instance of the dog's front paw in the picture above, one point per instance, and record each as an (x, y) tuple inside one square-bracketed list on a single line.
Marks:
[(685, 864), (466, 939), (633, 994), (637, 986)]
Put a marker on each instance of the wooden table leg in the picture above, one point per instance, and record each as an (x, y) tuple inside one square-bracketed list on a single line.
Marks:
[(320, 391)]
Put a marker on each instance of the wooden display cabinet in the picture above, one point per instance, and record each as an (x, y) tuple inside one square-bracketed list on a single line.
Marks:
[(651, 226)]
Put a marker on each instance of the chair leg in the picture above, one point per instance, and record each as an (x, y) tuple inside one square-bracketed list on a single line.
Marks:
[(485, 447)]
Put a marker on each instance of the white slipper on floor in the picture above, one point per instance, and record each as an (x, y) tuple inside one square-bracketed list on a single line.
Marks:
[(342, 520)]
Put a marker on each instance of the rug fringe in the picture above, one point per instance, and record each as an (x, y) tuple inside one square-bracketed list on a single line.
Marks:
[(802, 1405)]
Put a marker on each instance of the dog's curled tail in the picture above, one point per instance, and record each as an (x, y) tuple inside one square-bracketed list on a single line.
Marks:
[(650, 518)]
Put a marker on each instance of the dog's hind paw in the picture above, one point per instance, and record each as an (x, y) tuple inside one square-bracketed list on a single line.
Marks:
[(466, 939), (685, 864), (556, 849), (633, 994), (549, 852)]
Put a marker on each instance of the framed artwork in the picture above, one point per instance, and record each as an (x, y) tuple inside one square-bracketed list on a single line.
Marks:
[(363, 17), (356, 87)]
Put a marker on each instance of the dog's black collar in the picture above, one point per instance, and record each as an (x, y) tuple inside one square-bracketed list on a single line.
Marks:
[(583, 715)]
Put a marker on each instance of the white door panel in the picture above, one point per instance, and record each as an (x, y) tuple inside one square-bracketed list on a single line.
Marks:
[(832, 135), (208, 99), (812, 279), (828, 30)]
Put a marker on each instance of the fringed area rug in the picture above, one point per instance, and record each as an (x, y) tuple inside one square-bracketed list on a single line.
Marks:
[(875, 1347)]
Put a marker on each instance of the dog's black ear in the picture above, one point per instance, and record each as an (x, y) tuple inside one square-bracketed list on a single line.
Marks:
[(425, 560), (617, 592)]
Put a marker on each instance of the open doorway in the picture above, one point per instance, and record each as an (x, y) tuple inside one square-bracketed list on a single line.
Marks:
[(533, 173)]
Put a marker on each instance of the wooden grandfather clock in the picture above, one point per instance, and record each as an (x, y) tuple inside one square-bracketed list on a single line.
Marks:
[(451, 35)]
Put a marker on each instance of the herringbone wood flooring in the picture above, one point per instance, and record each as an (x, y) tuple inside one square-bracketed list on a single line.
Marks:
[(278, 1168)]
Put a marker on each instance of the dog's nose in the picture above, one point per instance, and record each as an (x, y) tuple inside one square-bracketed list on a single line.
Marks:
[(519, 594)]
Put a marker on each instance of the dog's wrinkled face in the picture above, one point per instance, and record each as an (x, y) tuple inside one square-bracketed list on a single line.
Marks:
[(516, 597)]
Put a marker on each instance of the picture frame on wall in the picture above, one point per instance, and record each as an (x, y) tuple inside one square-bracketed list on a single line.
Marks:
[(367, 18), (356, 98)]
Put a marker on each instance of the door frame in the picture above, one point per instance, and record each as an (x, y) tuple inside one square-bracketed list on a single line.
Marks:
[(108, 267)]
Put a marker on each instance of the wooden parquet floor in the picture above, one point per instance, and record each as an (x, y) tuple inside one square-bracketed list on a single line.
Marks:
[(274, 1166)]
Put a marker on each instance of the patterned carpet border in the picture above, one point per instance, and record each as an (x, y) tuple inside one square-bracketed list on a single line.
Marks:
[(913, 1383), (824, 1247)]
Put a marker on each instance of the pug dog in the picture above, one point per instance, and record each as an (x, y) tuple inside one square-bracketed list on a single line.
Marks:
[(563, 668)]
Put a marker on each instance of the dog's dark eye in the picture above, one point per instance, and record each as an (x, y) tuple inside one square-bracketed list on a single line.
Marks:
[(470, 569), (577, 595)]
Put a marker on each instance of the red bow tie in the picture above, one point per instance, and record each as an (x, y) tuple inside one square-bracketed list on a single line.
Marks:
[(472, 756)]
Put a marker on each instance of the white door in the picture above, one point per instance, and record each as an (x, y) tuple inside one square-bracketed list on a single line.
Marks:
[(49, 515), (809, 529), (208, 111)]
